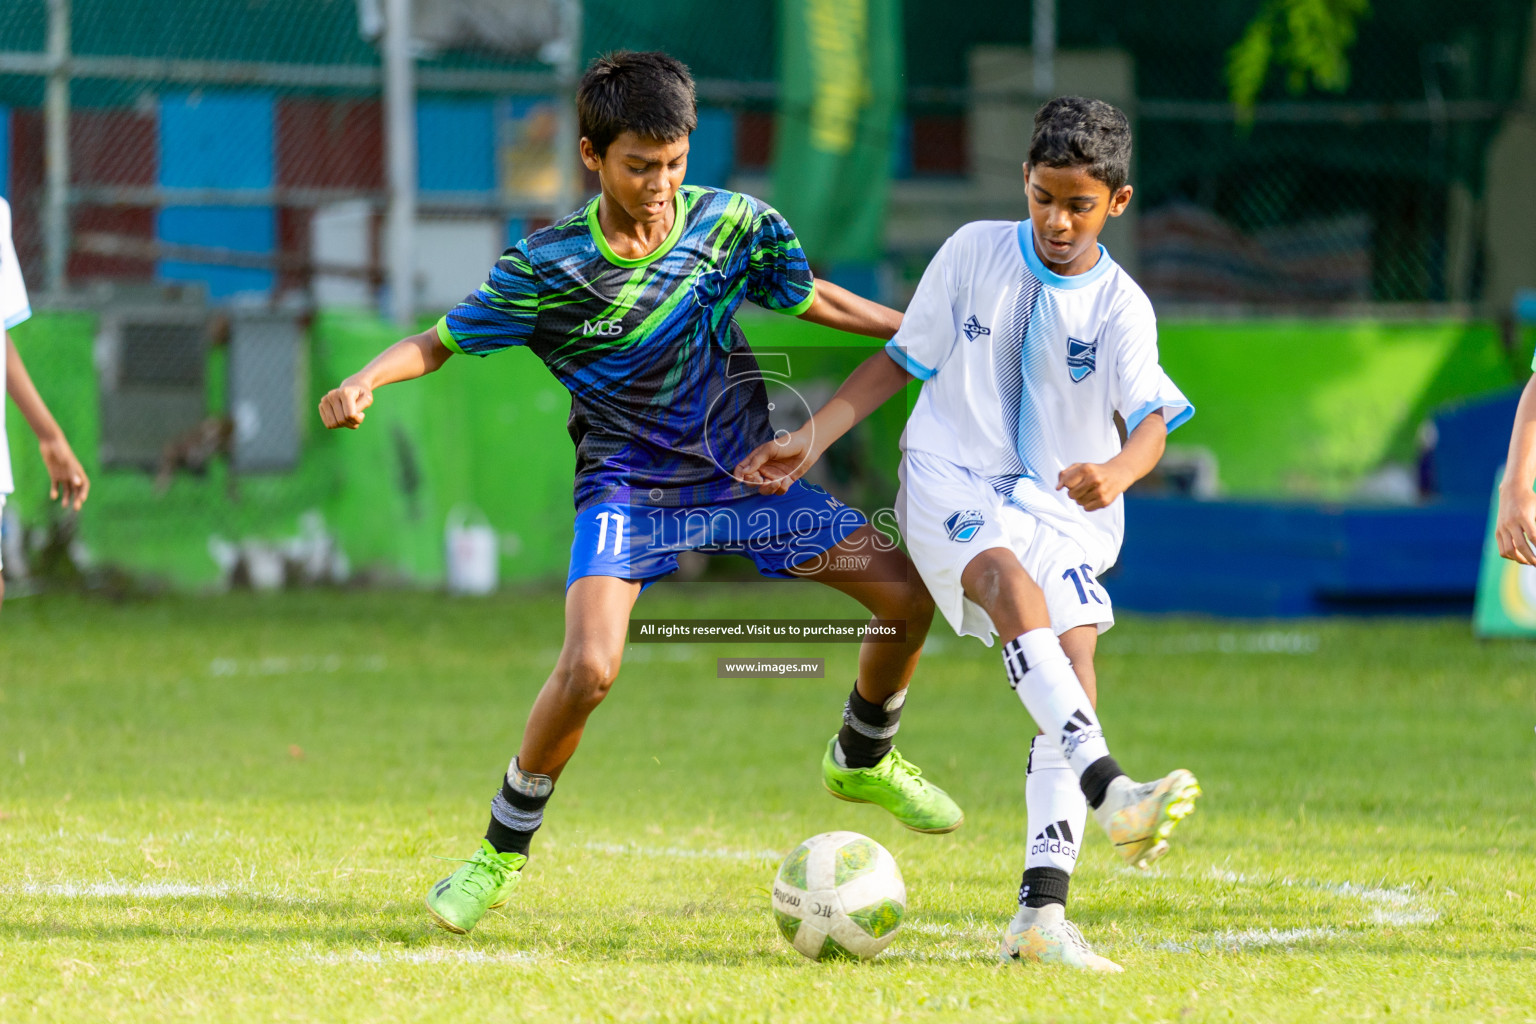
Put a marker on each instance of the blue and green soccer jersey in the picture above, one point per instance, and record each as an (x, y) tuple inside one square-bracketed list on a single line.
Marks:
[(665, 395)]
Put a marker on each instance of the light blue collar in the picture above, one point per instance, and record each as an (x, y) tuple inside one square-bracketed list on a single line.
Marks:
[(1049, 277)]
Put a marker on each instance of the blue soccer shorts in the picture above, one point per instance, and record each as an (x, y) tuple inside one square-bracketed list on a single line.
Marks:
[(776, 531)]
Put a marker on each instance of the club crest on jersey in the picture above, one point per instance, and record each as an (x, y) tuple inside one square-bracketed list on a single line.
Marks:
[(962, 526), (1082, 357), (973, 328), (709, 288)]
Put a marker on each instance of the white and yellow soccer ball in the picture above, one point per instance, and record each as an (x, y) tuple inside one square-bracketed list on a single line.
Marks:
[(839, 895)]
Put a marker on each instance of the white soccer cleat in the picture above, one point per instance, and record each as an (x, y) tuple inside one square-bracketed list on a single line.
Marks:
[(1138, 818), (1045, 936)]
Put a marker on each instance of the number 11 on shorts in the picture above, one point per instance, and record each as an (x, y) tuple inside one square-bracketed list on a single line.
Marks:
[(618, 533)]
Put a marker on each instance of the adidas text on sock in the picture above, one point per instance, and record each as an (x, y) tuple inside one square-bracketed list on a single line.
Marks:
[(1042, 677), (1056, 812)]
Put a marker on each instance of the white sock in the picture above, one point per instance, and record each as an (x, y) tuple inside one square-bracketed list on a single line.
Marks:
[(1039, 672), (1056, 810)]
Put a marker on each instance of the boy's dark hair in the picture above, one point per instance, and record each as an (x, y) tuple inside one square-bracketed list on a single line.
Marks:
[(1074, 131), (648, 93)]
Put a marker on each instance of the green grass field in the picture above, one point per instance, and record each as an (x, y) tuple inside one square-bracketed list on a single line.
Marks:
[(228, 810)]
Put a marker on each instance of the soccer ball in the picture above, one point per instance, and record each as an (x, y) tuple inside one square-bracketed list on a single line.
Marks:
[(839, 895)]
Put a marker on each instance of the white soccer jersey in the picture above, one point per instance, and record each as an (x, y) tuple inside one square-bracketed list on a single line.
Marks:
[(1022, 370), (14, 308)]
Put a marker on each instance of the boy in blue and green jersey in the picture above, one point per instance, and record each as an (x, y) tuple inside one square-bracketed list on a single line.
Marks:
[(647, 346), (630, 303)]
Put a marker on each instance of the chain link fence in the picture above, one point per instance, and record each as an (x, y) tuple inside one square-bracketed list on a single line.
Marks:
[(240, 147), (222, 171)]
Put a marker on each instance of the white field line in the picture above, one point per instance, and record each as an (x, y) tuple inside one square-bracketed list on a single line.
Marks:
[(148, 839), (1397, 906), (1229, 940), (1248, 939), (431, 955), (969, 930), (112, 890), (1269, 641), (285, 665), (968, 956), (436, 955), (641, 654), (682, 853), (180, 890), (146, 891), (1292, 642)]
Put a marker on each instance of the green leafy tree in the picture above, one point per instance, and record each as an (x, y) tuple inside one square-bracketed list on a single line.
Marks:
[(1310, 39)]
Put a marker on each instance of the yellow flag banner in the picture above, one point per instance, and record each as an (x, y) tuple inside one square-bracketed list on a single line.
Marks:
[(840, 70)]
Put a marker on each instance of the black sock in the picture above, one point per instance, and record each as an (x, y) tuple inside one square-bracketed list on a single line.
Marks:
[(1043, 885), (1096, 778), (868, 729), (518, 810)]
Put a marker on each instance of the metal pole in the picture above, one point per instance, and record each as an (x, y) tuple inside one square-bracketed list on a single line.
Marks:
[(568, 138), (400, 145), (56, 149), (1044, 42)]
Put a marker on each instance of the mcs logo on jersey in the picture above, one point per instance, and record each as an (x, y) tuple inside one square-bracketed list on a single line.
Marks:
[(602, 328), (1081, 358), (962, 526)]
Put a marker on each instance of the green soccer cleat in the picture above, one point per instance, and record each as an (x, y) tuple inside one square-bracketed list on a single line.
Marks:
[(485, 882), (1139, 818), (1045, 936), (897, 785)]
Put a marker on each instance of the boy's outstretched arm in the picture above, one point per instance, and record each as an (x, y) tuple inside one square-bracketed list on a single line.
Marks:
[(1515, 526), (1095, 485), (406, 359), (774, 465), (842, 310), (67, 480)]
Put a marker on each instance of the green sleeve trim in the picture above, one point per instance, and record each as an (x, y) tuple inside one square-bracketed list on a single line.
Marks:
[(445, 336), (801, 306)]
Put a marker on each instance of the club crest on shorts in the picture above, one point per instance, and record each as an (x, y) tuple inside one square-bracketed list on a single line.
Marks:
[(1082, 357), (962, 526)]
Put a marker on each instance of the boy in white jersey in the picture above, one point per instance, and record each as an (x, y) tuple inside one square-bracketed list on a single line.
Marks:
[(1028, 338), (67, 479)]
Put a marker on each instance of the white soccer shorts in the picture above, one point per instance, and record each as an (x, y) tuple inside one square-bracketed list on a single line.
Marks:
[(949, 515)]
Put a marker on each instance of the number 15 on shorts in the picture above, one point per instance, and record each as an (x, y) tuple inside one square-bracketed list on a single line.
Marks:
[(1087, 586)]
